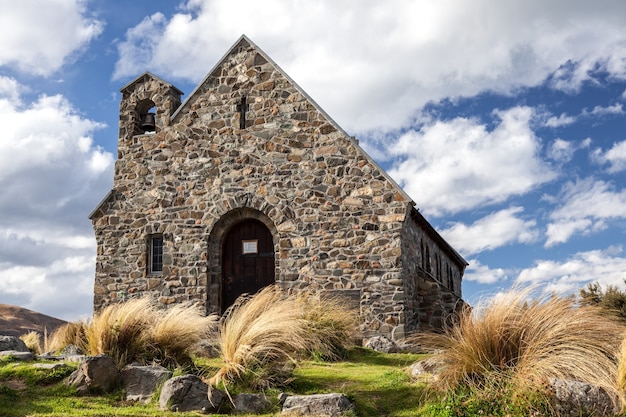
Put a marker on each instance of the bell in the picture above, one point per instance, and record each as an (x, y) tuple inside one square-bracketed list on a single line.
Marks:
[(148, 123)]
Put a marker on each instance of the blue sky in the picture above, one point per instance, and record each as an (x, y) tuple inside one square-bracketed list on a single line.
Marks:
[(504, 121)]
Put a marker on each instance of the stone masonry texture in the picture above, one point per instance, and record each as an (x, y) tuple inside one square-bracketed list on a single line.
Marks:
[(340, 225)]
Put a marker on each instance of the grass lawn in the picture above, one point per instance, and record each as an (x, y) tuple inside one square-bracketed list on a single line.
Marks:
[(376, 382)]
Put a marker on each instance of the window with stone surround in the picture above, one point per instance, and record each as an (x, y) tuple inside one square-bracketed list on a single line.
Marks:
[(155, 254)]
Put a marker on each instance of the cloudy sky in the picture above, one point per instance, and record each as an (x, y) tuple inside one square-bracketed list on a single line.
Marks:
[(504, 121)]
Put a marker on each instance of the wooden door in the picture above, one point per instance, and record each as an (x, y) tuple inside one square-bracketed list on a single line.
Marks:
[(247, 260)]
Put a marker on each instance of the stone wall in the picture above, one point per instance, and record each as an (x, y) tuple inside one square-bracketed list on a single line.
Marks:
[(432, 277), (336, 218)]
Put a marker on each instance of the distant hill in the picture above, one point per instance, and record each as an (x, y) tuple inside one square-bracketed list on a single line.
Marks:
[(16, 321)]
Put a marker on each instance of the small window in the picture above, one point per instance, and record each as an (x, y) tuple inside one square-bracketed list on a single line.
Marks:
[(155, 262)]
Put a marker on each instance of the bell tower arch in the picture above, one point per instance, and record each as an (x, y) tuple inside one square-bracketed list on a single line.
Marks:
[(146, 107)]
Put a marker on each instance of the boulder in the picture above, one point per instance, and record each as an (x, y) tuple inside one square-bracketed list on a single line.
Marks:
[(12, 343), (574, 398), (141, 382), (95, 374), (426, 370), (250, 404), (381, 344), (50, 366), (326, 405), (207, 348), (18, 355), (71, 350), (189, 393)]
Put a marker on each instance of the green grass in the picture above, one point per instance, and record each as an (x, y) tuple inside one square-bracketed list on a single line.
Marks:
[(376, 382)]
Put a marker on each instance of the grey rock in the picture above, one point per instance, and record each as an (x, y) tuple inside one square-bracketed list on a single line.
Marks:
[(71, 350), (282, 397), (426, 370), (66, 357), (190, 393), (574, 398), (12, 343), (327, 405), (207, 349), (381, 344), (250, 403), (18, 355), (74, 358), (95, 374), (141, 382), (50, 366)]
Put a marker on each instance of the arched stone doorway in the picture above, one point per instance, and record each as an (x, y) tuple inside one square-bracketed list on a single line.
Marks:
[(221, 242), (247, 260)]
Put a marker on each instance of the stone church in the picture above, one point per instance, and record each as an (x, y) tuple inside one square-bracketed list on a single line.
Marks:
[(247, 183)]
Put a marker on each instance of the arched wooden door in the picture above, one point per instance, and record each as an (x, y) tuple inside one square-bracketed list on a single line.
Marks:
[(247, 260)]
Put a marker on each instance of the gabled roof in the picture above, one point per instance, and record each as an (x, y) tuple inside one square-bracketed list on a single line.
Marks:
[(143, 78), (245, 39)]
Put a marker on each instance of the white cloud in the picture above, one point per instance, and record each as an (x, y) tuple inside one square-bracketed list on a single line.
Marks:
[(10, 89), (585, 207), (604, 266), (482, 274), (39, 37), (561, 150), (616, 157), (147, 35), (452, 166), (51, 177), (375, 65), (498, 229), (61, 286), (603, 111), (562, 120)]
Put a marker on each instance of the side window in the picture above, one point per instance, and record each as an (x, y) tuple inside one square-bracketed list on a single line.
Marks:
[(155, 254)]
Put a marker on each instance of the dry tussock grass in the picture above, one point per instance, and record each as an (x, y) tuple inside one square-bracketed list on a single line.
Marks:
[(331, 326), (524, 344), (71, 333), (138, 331), (120, 330), (178, 329), (621, 370), (261, 335), (32, 340)]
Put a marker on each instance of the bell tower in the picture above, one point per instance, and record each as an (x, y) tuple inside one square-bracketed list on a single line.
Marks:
[(146, 107)]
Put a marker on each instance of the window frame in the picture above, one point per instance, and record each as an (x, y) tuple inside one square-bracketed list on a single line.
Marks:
[(156, 247)]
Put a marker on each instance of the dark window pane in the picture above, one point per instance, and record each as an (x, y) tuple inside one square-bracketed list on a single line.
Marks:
[(156, 254)]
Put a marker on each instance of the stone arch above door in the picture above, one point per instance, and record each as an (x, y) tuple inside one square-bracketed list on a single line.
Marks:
[(216, 239)]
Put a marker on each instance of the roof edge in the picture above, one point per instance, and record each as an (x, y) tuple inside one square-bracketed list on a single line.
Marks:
[(101, 203), (415, 214), (156, 77)]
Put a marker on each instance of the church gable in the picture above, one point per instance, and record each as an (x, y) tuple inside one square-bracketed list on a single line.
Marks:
[(250, 90), (246, 183)]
